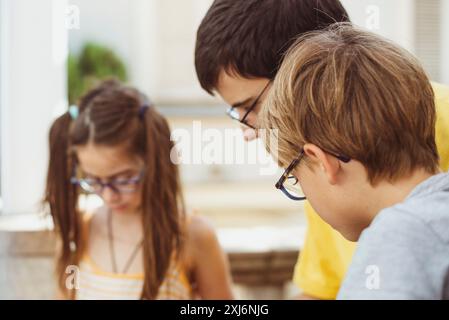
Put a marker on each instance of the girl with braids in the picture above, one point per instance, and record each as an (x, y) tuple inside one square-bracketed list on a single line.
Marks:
[(140, 243)]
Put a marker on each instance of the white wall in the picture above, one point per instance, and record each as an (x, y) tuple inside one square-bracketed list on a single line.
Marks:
[(130, 28), (33, 78), (107, 22), (155, 38), (178, 23), (395, 18)]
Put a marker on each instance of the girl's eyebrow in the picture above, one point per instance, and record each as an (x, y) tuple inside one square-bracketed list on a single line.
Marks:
[(123, 172)]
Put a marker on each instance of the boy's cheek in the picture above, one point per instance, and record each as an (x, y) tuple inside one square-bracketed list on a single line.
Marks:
[(327, 204), (315, 189)]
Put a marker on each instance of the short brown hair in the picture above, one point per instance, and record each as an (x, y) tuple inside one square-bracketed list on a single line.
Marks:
[(250, 37), (354, 93)]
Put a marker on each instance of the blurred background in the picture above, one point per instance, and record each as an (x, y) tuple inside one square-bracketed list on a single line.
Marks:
[(51, 51)]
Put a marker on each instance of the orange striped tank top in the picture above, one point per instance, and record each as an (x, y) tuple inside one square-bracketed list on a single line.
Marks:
[(97, 284)]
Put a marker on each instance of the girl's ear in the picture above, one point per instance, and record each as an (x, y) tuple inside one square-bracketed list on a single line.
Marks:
[(327, 163)]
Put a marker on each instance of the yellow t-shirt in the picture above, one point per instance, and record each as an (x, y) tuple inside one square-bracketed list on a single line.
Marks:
[(326, 255)]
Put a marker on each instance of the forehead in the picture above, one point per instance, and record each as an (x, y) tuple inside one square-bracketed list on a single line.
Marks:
[(234, 88), (104, 161)]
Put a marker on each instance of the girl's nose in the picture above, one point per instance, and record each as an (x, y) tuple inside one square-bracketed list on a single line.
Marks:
[(109, 195)]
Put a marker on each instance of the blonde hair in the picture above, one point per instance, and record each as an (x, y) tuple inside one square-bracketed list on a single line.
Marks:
[(353, 93)]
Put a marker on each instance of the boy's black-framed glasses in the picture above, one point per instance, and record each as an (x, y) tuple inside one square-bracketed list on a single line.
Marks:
[(289, 184), (233, 113)]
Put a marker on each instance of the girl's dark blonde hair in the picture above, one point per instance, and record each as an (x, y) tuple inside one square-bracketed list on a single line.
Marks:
[(353, 93), (110, 115)]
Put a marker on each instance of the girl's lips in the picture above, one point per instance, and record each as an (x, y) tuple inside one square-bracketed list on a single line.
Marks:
[(118, 208)]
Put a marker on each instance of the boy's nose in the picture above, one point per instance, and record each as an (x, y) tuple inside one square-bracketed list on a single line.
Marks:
[(249, 134)]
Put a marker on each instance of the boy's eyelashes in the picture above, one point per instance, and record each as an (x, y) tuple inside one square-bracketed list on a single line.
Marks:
[(246, 108), (241, 107)]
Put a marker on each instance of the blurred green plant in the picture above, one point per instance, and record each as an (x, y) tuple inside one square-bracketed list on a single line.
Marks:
[(94, 64)]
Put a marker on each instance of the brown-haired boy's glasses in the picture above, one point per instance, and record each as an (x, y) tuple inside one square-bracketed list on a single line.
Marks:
[(289, 184), (234, 114)]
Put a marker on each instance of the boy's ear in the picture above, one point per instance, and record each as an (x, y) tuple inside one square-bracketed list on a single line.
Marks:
[(324, 161)]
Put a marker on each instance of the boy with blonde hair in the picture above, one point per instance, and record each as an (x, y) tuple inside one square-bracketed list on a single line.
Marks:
[(355, 121)]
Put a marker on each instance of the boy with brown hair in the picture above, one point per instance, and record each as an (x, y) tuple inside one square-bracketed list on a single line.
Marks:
[(355, 121)]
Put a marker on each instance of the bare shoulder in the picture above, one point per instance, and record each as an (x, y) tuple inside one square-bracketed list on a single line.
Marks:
[(200, 230), (200, 239), (209, 268)]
